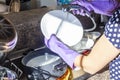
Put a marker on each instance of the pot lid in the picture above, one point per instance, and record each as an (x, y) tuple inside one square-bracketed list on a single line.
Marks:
[(42, 60)]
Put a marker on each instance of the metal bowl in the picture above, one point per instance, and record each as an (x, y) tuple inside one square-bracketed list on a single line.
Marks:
[(44, 63)]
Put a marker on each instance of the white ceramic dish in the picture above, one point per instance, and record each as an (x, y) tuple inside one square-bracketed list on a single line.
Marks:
[(95, 35), (84, 44), (71, 30)]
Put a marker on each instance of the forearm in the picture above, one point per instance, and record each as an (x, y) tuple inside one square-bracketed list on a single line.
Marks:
[(101, 54), (87, 67)]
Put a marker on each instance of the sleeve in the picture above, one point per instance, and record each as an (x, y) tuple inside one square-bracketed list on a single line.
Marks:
[(112, 30)]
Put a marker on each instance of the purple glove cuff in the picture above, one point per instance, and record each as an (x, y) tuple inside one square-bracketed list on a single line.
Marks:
[(70, 59)]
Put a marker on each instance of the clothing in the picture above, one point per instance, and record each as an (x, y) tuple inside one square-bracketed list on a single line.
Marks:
[(112, 32)]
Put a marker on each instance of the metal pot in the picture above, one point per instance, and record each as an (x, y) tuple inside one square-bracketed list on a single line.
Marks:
[(43, 64)]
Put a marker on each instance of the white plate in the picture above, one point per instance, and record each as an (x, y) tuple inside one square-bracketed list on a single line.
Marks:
[(71, 30)]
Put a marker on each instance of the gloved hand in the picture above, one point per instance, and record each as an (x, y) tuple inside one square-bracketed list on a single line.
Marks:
[(67, 54), (80, 8), (98, 6)]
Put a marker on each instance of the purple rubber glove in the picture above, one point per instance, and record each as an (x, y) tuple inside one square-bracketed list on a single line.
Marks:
[(98, 6), (62, 50)]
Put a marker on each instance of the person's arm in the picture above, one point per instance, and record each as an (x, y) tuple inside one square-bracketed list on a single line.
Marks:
[(101, 54)]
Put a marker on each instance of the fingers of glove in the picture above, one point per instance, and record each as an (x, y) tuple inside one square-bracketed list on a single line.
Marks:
[(55, 45), (54, 41), (46, 41), (80, 7), (79, 2), (78, 12), (82, 12), (76, 2), (49, 41)]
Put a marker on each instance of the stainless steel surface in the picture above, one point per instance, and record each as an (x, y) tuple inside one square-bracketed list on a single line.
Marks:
[(45, 60), (8, 35)]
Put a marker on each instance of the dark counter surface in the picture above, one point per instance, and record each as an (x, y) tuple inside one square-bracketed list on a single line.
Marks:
[(27, 24)]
